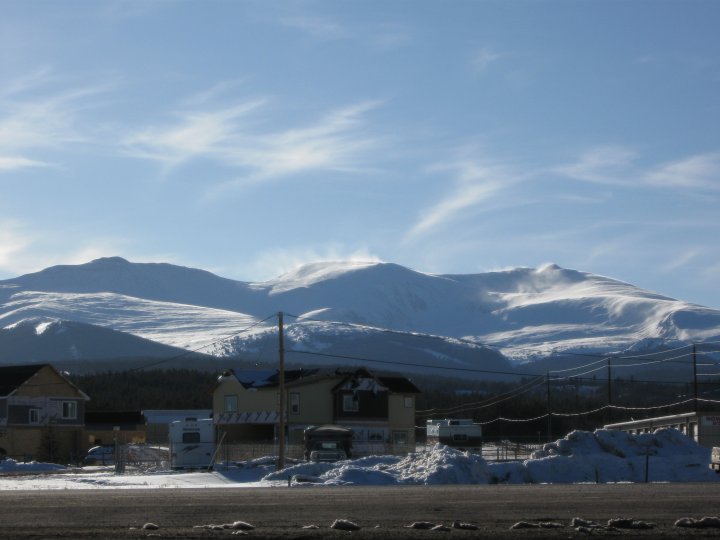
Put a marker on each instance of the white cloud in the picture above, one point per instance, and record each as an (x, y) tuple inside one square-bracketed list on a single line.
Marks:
[(11, 163), (231, 136), (32, 118), (699, 171), (196, 133), (475, 184), (318, 27), (13, 241), (482, 58), (604, 165), (680, 260)]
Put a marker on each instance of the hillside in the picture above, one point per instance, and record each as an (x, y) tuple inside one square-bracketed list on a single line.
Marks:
[(473, 321)]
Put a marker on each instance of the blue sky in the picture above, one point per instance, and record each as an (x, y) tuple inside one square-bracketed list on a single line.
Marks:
[(451, 137)]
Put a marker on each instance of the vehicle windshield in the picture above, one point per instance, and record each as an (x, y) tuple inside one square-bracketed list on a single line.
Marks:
[(329, 445)]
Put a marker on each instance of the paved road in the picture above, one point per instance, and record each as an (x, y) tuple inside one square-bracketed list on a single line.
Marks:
[(381, 511)]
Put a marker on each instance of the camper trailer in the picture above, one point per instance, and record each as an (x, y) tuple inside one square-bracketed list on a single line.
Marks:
[(462, 434), (192, 443)]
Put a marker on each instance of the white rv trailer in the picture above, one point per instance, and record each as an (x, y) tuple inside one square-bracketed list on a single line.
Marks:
[(462, 434), (192, 443)]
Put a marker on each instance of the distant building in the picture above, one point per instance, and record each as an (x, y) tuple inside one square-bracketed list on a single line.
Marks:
[(379, 409), (41, 414), (703, 426), (104, 427)]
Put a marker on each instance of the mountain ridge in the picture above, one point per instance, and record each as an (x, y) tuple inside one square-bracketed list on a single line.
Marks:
[(523, 313)]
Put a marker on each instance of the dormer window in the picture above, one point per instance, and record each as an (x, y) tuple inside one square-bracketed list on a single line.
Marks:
[(350, 403)]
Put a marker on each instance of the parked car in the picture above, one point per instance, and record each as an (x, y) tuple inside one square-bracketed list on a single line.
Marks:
[(100, 455)]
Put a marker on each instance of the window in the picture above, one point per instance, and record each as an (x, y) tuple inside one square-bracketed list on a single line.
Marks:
[(400, 437), (376, 436), (231, 403), (191, 437), (294, 403), (350, 403), (69, 410), (409, 402), (34, 417)]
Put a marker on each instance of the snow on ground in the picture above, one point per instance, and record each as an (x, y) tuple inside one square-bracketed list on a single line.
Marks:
[(602, 456)]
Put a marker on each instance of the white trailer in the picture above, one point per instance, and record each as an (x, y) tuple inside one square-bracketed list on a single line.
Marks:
[(192, 443), (462, 434)]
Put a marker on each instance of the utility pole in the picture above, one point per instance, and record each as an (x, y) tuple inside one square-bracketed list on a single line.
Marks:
[(281, 384), (549, 414), (694, 357), (609, 389)]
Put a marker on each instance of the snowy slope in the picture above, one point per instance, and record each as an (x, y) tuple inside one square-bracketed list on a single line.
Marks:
[(67, 341), (525, 313)]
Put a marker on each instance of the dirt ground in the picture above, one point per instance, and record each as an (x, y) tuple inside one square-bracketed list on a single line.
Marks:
[(381, 512)]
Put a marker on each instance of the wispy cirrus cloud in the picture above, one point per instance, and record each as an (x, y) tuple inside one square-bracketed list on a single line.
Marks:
[(233, 136), (615, 165), (482, 58), (603, 165), (11, 163), (475, 183), (699, 171), (316, 26), (13, 241), (33, 118), (381, 37), (680, 260)]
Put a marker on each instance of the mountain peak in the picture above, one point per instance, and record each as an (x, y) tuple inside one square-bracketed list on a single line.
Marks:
[(109, 261)]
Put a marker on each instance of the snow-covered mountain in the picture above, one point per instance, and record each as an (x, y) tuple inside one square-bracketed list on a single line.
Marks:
[(392, 314)]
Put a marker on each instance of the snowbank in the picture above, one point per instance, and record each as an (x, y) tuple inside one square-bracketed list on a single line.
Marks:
[(601, 456), (8, 465)]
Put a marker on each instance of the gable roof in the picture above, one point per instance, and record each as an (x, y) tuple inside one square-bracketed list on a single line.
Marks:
[(13, 377), (302, 376)]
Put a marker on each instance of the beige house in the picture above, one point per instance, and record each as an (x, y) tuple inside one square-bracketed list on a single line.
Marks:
[(379, 409), (41, 414)]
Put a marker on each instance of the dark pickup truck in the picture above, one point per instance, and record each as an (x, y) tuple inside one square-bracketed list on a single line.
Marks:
[(328, 443)]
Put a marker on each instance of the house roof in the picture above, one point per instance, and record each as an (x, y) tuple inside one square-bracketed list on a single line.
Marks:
[(302, 376), (13, 377), (399, 385)]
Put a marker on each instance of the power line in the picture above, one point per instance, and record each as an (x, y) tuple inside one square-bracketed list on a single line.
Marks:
[(482, 404), (411, 364)]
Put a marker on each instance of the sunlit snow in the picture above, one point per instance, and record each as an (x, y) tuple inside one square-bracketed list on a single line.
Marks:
[(602, 456)]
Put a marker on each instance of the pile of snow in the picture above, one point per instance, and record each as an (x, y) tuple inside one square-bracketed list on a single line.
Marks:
[(9, 465), (602, 456)]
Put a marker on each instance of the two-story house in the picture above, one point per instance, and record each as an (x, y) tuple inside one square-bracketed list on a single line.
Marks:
[(380, 409), (41, 414)]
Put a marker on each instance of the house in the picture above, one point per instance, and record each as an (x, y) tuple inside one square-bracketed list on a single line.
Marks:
[(41, 414), (379, 409)]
